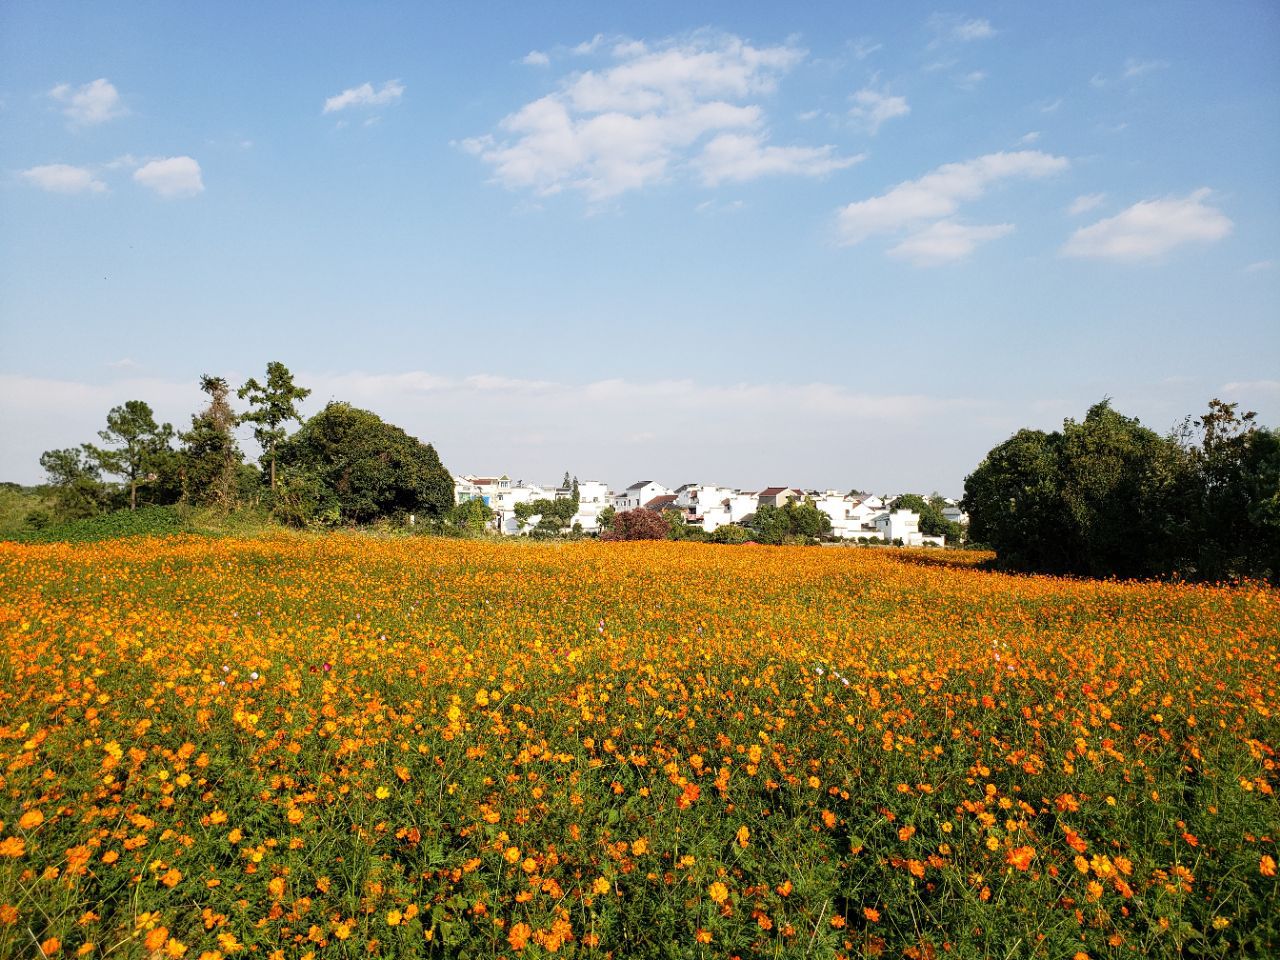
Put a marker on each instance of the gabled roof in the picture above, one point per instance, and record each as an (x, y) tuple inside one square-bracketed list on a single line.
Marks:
[(774, 491), (661, 503), (639, 484)]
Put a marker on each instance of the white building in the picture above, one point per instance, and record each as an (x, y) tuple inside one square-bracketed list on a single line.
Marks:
[(593, 496), (499, 494), (638, 494)]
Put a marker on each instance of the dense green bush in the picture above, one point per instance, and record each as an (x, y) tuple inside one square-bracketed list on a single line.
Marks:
[(143, 522)]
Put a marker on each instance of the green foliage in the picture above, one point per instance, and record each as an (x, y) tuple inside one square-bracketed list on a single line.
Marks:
[(348, 461), (211, 458), (932, 522), (554, 514), (796, 522), (1109, 497), (75, 485), (605, 519), (152, 521), (731, 534), (471, 516), (271, 407), (140, 451)]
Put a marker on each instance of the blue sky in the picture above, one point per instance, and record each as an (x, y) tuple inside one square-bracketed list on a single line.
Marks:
[(823, 244)]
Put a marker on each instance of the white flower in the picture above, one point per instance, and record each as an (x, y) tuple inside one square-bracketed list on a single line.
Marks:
[(254, 675)]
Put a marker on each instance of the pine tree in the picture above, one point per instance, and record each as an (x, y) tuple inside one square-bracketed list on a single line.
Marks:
[(211, 456)]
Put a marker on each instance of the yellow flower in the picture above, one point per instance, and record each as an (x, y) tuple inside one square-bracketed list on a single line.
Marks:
[(394, 917), (718, 892)]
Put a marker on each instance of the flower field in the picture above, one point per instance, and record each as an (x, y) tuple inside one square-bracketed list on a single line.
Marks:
[(359, 747)]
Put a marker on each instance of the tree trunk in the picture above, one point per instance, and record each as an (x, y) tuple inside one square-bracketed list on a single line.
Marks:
[(273, 467), (133, 494)]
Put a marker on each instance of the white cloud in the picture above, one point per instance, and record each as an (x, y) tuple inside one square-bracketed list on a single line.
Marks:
[(971, 80), (1086, 202), (873, 108), (958, 29), (1252, 386), (1030, 137), (739, 157), (945, 241), (633, 123), (91, 104), (938, 194), (1151, 228), (864, 47), (972, 30), (171, 177), (588, 47), (1260, 265), (536, 58), (1137, 68), (365, 96), (64, 178)]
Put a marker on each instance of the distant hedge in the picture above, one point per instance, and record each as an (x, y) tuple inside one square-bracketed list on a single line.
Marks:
[(143, 522)]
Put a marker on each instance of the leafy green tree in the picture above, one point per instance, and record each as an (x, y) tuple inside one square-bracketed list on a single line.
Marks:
[(769, 524), (471, 516), (932, 522), (805, 520), (271, 407), (1237, 524), (1014, 503), (366, 468), (76, 481), (210, 454), (554, 512), (605, 519), (139, 450)]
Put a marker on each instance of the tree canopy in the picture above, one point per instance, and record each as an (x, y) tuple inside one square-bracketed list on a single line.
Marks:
[(358, 468), (1107, 496)]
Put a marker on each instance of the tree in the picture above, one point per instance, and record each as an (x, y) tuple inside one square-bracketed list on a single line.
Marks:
[(211, 457), (471, 516), (932, 522), (1108, 497), (1237, 524), (605, 520), (805, 520), (637, 524), (769, 523), (271, 407), (140, 450), (359, 468), (76, 481)]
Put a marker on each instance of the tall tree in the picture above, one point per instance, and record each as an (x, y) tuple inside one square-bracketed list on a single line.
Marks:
[(211, 456), (139, 450), (271, 407)]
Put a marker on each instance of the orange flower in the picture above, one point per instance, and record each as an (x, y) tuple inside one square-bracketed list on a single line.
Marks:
[(13, 847), (51, 947), (518, 936), (744, 836), (718, 892), (1020, 857), (906, 833), (31, 819), (1267, 866), (172, 877), (872, 915)]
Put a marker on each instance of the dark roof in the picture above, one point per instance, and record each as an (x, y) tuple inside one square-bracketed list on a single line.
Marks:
[(774, 491), (639, 483), (660, 503)]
